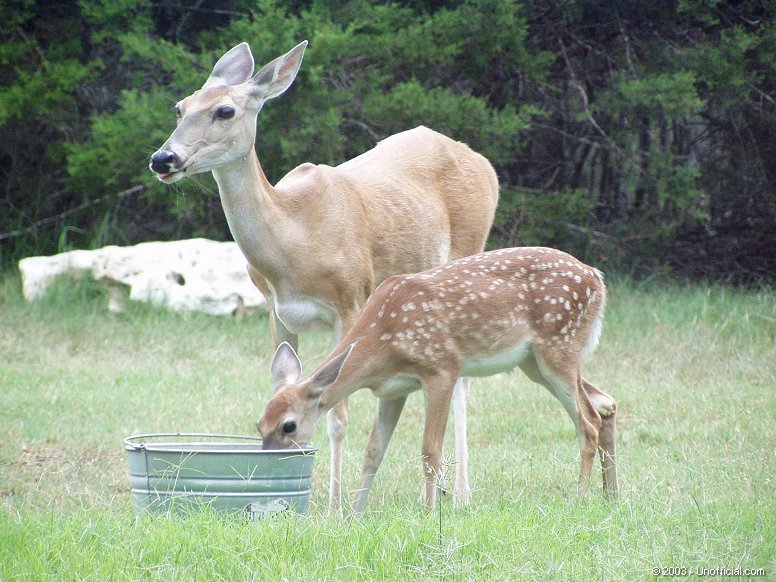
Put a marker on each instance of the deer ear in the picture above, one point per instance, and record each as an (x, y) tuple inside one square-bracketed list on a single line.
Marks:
[(274, 78), (327, 374), (286, 367), (234, 68)]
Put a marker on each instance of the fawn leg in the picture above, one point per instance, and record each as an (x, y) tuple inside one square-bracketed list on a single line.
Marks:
[(388, 413)]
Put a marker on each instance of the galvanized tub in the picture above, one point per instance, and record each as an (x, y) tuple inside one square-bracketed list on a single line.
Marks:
[(183, 471)]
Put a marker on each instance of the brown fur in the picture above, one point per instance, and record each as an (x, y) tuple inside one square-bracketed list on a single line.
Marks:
[(319, 241), (536, 308)]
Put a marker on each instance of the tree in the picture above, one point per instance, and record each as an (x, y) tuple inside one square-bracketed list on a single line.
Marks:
[(633, 135)]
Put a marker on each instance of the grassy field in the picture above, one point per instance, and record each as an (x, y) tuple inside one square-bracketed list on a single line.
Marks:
[(693, 370)]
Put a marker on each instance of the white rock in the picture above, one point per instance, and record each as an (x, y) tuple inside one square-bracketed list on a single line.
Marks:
[(187, 275)]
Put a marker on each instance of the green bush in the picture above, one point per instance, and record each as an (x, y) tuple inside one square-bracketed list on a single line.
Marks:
[(626, 134)]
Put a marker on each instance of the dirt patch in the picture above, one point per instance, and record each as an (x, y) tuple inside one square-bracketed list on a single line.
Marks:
[(40, 457), (47, 475)]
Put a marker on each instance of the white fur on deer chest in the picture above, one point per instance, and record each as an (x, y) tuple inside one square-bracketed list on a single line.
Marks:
[(300, 313)]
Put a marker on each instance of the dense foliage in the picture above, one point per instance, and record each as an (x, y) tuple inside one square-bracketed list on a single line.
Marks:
[(636, 135)]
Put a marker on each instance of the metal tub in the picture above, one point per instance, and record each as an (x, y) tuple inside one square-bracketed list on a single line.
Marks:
[(183, 471)]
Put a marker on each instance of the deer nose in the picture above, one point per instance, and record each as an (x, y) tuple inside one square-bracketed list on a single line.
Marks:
[(163, 161)]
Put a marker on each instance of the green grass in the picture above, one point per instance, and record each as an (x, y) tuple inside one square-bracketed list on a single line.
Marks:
[(693, 370)]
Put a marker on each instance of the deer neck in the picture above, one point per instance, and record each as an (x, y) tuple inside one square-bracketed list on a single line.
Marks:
[(338, 391), (253, 209), (357, 372)]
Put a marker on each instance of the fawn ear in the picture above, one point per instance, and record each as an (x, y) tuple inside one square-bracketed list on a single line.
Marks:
[(274, 78), (286, 367), (235, 67), (327, 374)]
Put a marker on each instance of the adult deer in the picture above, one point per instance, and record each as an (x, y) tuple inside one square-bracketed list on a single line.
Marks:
[(536, 308), (319, 241)]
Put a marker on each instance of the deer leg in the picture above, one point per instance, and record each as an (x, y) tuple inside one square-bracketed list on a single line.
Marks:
[(388, 413), (337, 424), (280, 333), (563, 378), (607, 409), (462, 493), (337, 428), (530, 366), (438, 392), (590, 423)]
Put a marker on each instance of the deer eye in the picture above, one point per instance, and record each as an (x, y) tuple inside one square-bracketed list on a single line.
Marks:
[(289, 426), (225, 112), (177, 110)]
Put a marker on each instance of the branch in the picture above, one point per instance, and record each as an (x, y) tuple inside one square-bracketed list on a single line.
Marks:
[(587, 231), (49, 219), (585, 102), (36, 46), (566, 134), (185, 19), (762, 93), (363, 126), (592, 120), (602, 235)]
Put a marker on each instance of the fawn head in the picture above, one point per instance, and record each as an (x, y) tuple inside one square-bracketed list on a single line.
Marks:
[(291, 415)]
